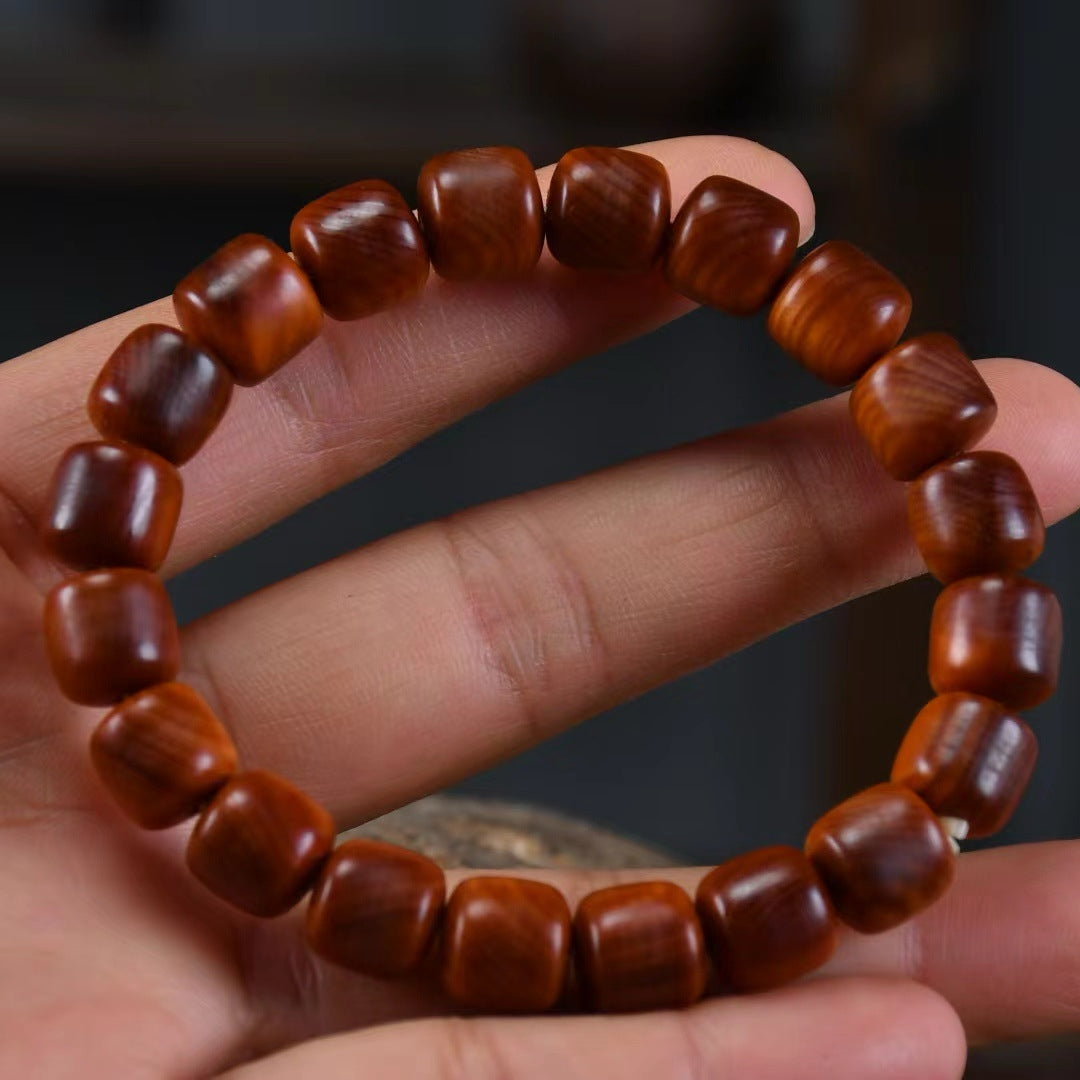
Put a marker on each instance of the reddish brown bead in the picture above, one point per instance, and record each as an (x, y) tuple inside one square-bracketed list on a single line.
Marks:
[(109, 634), (882, 855), (112, 504), (260, 844), (608, 209), (998, 636), (162, 754), (967, 758), (362, 248), (482, 213), (766, 917), (639, 947), (161, 391), (730, 245), (975, 514), (920, 403), (251, 306), (838, 312), (375, 907), (506, 944)]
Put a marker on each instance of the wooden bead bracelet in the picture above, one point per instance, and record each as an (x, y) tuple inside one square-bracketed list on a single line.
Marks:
[(508, 944)]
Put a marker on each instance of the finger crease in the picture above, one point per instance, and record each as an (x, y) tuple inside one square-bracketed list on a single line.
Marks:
[(530, 611)]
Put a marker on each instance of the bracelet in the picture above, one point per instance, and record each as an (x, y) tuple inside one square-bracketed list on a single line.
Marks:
[(507, 944)]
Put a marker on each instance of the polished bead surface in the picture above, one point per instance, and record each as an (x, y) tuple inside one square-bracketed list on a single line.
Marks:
[(362, 249), (260, 843), (374, 908), (109, 634), (920, 403), (766, 917), (838, 312), (975, 514), (162, 391), (162, 754), (968, 759), (730, 245), (608, 209), (506, 945), (639, 947), (111, 504), (482, 213), (251, 306), (883, 857), (998, 636)]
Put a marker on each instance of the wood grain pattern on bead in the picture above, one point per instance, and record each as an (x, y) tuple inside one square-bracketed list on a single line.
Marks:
[(608, 209), (251, 306), (160, 390), (975, 514), (999, 636), (882, 856), (482, 213), (109, 634), (967, 758), (639, 947), (920, 403), (111, 504), (260, 843), (767, 918), (162, 754), (375, 907), (730, 245), (838, 312), (362, 249), (506, 945)]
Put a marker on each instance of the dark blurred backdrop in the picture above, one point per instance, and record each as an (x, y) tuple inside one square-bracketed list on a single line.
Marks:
[(137, 135)]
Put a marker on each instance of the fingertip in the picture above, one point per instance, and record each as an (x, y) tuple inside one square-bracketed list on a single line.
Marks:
[(1038, 424)]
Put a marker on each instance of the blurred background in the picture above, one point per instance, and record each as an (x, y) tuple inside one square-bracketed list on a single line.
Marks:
[(137, 135)]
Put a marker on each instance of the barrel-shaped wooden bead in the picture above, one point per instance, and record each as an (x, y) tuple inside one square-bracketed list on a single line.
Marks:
[(375, 907), (883, 857), (251, 306), (767, 918), (162, 753), (112, 504), (730, 245), (260, 843), (920, 403), (160, 390), (639, 947), (838, 312), (482, 213), (608, 209), (999, 636), (362, 249), (967, 758), (506, 945), (975, 514), (109, 634)]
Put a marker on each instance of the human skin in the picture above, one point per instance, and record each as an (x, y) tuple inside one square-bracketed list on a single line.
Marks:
[(414, 661)]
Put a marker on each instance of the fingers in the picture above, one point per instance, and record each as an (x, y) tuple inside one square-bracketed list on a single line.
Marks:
[(849, 1028), (408, 664), (365, 390), (1003, 945)]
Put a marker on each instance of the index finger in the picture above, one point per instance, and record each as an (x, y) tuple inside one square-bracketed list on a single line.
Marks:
[(364, 391)]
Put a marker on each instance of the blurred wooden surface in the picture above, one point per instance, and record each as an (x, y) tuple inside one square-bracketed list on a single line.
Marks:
[(489, 834)]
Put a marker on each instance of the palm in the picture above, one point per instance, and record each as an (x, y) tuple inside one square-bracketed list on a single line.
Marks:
[(115, 963)]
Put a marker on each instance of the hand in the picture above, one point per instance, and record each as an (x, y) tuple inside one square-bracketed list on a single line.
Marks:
[(458, 643)]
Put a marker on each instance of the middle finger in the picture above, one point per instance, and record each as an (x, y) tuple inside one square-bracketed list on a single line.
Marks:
[(411, 663)]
